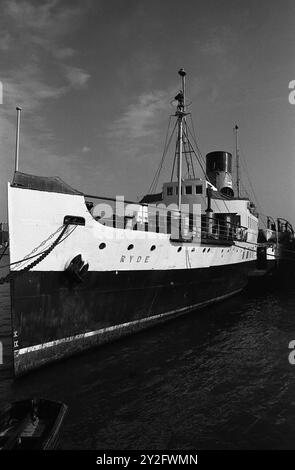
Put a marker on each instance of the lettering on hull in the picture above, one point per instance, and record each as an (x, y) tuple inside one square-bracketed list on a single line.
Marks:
[(134, 259)]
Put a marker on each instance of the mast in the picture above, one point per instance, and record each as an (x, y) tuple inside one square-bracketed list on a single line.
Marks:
[(237, 160), (18, 110), (180, 114)]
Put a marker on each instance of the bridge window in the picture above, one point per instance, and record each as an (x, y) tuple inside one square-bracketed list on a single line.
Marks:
[(168, 222), (188, 190), (169, 190), (199, 189)]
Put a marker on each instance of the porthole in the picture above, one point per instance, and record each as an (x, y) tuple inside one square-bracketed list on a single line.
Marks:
[(208, 250), (102, 246), (193, 249), (179, 249), (130, 247), (153, 247), (204, 249)]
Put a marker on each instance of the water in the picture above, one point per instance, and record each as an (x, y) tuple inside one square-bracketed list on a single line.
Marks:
[(214, 379)]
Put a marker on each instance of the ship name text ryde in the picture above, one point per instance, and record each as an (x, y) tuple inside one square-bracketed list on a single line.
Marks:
[(134, 259)]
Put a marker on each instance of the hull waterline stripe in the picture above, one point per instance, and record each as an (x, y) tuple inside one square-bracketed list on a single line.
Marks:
[(101, 331)]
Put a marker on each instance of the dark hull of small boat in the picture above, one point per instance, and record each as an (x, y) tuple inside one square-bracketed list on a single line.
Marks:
[(31, 425)]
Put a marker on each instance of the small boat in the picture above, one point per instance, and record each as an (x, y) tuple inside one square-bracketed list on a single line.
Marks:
[(31, 424)]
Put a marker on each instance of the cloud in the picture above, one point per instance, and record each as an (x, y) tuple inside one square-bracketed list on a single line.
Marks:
[(31, 77), (29, 89), (33, 44), (140, 118), (39, 25), (76, 76), (5, 41), (64, 52), (29, 15), (48, 17)]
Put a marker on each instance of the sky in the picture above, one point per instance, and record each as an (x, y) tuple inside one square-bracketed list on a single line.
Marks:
[(95, 80)]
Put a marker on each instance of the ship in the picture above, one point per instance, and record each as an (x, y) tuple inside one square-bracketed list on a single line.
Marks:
[(276, 249), (86, 270)]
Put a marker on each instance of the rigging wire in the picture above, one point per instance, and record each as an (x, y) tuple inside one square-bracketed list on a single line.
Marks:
[(243, 161), (199, 157), (204, 163), (174, 160), (154, 183)]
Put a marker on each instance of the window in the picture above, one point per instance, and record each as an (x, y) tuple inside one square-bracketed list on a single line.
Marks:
[(188, 190), (199, 189), (169, 190), (168, 222)]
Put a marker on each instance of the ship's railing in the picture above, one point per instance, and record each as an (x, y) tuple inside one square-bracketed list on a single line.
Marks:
[(182, 226), (284, 226)]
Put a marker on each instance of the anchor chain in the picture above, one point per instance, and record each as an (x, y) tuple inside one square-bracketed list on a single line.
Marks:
[(13, 274)]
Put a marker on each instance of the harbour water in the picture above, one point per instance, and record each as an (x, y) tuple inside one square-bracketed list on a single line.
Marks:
[(214, 379)]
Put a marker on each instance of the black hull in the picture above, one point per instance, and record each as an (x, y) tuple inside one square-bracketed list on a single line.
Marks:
[(54, 316)]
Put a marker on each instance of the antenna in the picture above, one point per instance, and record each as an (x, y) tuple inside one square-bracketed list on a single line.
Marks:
[(182, 73), (180, 115), (18, 110), (236, 129)]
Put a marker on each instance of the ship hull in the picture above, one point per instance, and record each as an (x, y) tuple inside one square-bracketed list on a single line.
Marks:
[(77, 283), (55, 317)]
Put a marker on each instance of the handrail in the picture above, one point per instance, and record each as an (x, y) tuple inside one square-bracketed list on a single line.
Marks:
[(143, 204), (223, 225), (224, 230)]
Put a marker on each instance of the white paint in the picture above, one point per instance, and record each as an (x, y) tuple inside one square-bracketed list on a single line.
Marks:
[(34, 215)]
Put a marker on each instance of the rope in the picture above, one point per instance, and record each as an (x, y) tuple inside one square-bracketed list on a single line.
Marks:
[(3, 252)]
